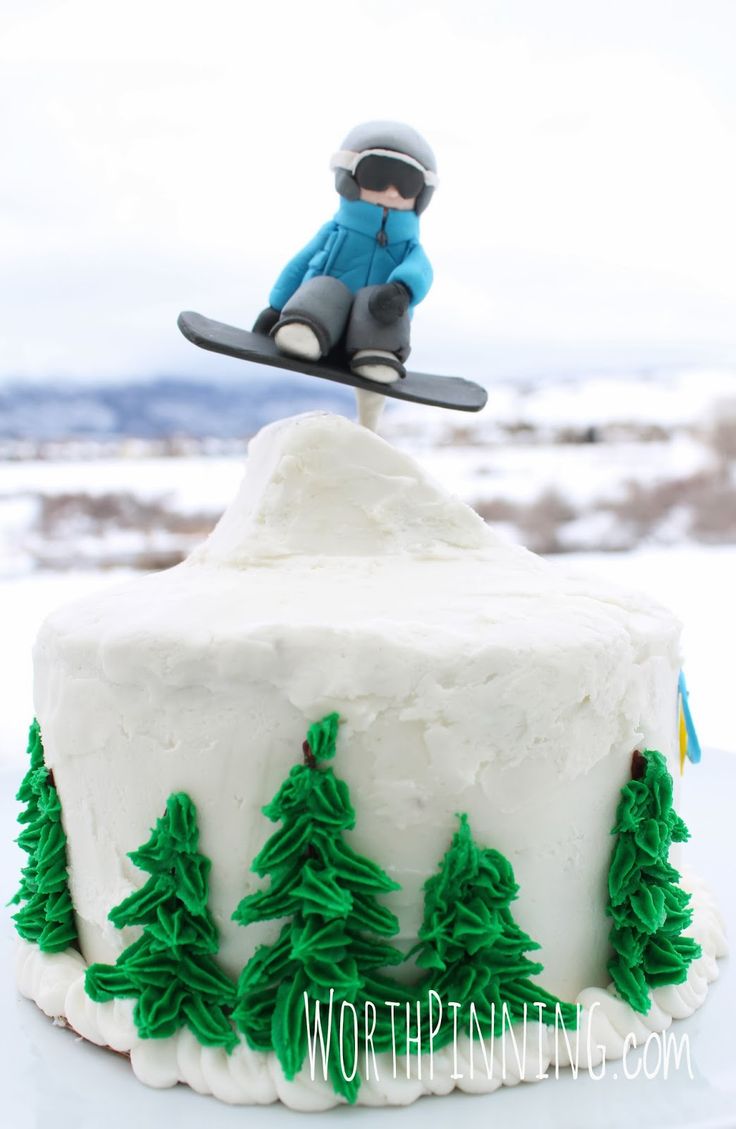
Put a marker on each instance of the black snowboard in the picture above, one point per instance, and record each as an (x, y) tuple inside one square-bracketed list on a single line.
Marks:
[(417, 387)]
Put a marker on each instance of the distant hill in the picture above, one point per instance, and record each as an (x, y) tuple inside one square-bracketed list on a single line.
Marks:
[(166, 406)]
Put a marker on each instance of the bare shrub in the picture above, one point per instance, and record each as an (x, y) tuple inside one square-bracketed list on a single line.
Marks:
[(60, 514), (577, 435), (623, 432), (521, 429), (700, 505), (539, 521), (710, 499), (721, 435), (714, 517), (112, 530), (498, 509), (462, 435), (542, 520)]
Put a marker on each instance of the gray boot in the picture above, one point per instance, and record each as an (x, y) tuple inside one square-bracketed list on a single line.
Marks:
[(377, 351)]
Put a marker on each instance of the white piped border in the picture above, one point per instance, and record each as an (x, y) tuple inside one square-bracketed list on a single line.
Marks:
[(55, 981)]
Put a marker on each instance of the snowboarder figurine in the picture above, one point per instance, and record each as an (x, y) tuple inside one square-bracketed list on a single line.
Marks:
[(340, 310), (358, 280)]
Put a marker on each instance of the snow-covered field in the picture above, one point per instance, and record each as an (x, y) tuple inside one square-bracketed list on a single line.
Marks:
[(608, 462), (148, 512), (697, 583), (474, 470)]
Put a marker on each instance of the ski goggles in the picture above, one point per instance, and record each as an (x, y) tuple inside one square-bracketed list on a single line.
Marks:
[(379, 169)]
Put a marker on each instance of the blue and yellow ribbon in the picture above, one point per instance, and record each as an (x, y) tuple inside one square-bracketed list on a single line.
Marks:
[(689, 743)]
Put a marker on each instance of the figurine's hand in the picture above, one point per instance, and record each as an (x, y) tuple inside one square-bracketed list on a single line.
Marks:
[(266, 320), (389, 302)]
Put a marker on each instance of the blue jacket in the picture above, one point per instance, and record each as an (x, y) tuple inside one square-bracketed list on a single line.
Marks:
[(350, 247)]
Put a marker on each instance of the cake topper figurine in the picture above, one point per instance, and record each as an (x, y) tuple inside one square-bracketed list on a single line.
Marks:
[(363, 272), (341, 307)]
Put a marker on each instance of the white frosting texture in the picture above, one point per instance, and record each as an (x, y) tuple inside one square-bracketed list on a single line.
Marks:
[(471, 676), (246, 1077), (318, 485)]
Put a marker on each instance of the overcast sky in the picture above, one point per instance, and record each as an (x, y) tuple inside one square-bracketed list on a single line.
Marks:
[(165, 155)]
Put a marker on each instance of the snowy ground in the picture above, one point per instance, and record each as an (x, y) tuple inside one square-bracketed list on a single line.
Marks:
[(697, 583), (148, 512), (474, 470), (562, 465)]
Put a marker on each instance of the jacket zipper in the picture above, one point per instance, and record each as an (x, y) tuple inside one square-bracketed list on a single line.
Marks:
[(381, 240)]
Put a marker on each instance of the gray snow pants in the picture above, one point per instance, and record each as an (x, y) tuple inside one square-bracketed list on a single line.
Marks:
[(328, 307)]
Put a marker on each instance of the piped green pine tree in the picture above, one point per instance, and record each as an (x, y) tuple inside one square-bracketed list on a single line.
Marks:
[(170, 969), (46, 917), (473, 949), (649, 908), (328, 892)]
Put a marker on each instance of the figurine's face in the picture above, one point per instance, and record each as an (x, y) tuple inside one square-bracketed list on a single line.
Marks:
[(388, 198)]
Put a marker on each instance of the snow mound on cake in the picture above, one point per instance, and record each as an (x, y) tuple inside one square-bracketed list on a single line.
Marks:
[(317, 484)]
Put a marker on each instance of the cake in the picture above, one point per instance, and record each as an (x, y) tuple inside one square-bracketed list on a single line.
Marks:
[(490, 770)]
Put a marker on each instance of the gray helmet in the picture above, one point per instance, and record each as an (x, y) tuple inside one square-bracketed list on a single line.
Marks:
[(392, 140)]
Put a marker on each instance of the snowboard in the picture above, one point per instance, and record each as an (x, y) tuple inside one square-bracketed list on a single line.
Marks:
[(416, 387)]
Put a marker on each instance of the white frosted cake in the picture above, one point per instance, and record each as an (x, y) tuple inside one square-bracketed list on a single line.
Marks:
[(464, 676)]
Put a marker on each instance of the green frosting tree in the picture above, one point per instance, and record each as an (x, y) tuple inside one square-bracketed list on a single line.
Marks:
[(328, 892), (473, 949), (170, 969), (47, 917), (649, 908)]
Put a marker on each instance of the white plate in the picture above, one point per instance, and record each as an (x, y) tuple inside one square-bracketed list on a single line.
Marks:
[(50, 1078)]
